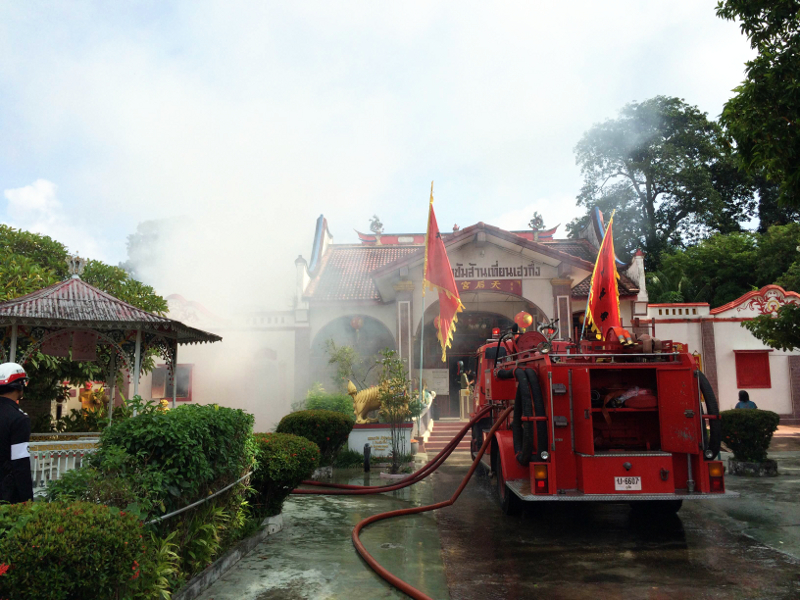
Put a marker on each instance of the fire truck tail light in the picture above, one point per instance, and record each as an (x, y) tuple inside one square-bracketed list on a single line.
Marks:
[(539, 479), (496, 332), (715, 473)]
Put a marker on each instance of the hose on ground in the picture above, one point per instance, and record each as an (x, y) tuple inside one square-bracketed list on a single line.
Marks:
[(393, 580), (427, 469)]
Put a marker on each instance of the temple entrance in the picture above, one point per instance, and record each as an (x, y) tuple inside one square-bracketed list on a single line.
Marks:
[(484, 311)]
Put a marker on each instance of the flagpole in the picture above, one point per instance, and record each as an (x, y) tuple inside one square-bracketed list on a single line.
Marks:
[(422, 327)]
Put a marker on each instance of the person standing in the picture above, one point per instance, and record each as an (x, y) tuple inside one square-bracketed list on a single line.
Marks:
[(744, 401), (16, 484)]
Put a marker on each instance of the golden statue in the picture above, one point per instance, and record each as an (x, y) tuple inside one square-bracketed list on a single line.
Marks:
[(364, 402)]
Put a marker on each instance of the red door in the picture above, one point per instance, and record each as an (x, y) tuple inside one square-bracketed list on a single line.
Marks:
[(582, 411), (678, 406)]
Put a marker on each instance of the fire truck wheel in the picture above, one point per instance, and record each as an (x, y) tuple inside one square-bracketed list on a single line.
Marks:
[(477, 440), (510, 504), (656, 508), (714, 425)]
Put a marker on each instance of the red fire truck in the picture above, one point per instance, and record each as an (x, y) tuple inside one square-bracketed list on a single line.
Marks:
[(616, 421)]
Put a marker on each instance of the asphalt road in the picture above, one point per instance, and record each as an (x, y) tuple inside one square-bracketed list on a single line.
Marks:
[(577, 551)]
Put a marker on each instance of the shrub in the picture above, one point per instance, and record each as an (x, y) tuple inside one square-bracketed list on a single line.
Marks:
[(748, 432), (188, 452), (114, 478), (283, 461), (348, 459), (65, 551), (327, 429), (320, 400)]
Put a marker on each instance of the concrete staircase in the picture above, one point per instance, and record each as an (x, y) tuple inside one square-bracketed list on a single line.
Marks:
[(442, 433)]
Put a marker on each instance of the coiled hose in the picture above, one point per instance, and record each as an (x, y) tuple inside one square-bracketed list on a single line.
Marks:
[(431, 466)]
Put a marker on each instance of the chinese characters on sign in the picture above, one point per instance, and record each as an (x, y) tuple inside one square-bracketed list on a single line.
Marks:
[(513, 286), (495, 271)]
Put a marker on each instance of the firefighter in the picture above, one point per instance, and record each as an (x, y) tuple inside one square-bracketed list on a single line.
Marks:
[(16, 484)]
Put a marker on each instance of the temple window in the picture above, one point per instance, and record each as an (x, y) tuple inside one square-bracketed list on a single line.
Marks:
[(752, 369)]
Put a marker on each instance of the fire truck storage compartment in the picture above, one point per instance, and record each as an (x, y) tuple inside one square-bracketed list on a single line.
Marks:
[(605, 473), (624, 410)]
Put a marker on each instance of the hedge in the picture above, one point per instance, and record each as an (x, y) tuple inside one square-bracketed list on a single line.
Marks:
[(66, 551), (327, 429), (340, 403), (159, 461), (283, 461), (193, 449), (748, 432)]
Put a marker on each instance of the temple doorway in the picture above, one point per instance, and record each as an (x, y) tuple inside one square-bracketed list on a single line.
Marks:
[(484, 312)]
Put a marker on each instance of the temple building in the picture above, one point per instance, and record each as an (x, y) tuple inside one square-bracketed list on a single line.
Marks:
[(367, 295)]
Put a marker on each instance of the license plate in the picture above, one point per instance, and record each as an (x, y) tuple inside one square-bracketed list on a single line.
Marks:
[(627, 483)]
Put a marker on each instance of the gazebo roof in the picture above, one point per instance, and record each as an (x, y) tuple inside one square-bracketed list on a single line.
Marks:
[(75, 303)]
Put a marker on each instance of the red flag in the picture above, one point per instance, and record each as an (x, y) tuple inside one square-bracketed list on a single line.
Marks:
[(438, 276), (602, 307)]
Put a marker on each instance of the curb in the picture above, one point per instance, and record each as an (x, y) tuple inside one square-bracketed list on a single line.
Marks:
[(203, 580)]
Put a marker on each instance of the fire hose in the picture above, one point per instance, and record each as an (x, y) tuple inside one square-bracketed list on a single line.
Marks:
[(343, 489)]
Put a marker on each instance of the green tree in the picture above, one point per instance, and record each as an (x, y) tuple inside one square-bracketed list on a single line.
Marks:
[(725, 266), (764, 115), (669, 173), (781, 331), (394, 385)]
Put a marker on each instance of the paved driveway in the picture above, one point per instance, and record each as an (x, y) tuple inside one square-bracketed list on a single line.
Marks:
[(726, 549)]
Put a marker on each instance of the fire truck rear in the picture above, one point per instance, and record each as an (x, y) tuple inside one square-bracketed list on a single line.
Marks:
[(599, 421)]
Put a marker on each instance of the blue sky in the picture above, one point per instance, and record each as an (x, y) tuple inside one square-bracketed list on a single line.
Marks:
[(246, 120)]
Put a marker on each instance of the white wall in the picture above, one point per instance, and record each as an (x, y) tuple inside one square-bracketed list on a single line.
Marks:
[(731, 336), (235, 373)]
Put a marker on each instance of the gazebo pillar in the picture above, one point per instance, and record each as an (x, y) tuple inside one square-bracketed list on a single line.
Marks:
[(137, 364), (111, 384), (175, 375), (12, 356)]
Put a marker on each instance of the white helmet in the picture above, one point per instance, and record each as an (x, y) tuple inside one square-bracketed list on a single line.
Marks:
[(13, 374)]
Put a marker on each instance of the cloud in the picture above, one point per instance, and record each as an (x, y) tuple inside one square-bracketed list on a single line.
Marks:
[(242, 122), (36, 208), (33, 202)]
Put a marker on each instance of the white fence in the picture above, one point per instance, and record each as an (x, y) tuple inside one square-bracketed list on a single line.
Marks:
[(51, 459)]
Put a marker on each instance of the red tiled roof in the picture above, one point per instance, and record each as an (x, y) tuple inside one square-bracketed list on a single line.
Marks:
[(76, 303), (346, 271), (627, 287), (578, 248)]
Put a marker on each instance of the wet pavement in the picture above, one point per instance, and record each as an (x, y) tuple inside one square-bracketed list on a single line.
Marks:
[(601, 551), (313, 557), (733, 549)]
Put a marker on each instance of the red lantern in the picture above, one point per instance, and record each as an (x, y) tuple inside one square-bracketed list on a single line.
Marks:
[(523, 319), (356, 323)]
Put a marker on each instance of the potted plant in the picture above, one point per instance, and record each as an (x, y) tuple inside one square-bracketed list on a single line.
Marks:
[(748, 433)]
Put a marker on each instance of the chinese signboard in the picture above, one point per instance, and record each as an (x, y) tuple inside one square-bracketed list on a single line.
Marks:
[(512, 286)]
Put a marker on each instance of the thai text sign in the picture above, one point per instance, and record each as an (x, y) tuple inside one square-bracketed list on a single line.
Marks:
[(470, 270), (512, 286)]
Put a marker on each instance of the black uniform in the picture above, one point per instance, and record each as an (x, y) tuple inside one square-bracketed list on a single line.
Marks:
[(16, 484)]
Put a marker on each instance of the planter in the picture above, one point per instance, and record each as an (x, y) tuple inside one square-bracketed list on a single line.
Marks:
[(768, 468), (414, 447), (322, 473), (394, 477), (379, 437)]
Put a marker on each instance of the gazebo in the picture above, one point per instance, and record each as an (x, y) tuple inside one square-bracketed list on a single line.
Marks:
[(73, 318)]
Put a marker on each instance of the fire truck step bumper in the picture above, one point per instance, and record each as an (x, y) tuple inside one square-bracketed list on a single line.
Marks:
[(522, 488)]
